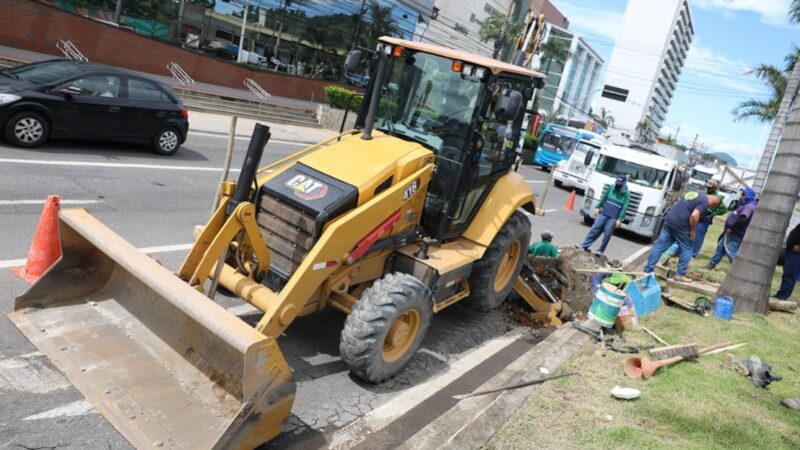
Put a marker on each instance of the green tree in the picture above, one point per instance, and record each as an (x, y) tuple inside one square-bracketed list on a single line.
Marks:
[(500, 29), (604, 118), (554, 49), (643, 129), (764, 110), (750, 276)]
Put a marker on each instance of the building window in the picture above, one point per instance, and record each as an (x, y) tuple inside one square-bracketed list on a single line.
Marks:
[(461, 29), (489, 9), (615, 93)]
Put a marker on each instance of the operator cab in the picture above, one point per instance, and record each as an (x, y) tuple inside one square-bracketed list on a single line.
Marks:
[(467, 109)]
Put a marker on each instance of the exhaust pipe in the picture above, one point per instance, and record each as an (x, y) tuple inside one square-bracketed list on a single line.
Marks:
[(374, 100), (251, 162)]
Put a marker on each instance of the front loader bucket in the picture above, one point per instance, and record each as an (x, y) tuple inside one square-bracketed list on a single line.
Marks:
[(166, 365)]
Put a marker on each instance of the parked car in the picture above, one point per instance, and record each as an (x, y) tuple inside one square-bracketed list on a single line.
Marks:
[(80, 100)]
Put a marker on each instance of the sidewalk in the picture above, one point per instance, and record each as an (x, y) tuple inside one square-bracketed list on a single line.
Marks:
[(220, 124)]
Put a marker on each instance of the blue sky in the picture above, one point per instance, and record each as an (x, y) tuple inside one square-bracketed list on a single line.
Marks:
[(731, 36)]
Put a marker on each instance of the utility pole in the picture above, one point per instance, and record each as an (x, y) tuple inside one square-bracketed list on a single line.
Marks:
[(118, 11), (180, 18), (241, 38), (354, 41)]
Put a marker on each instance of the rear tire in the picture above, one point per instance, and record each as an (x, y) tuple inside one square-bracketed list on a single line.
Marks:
[(558, 183), (386, 327), (167, 141), (493, 275), (588, 221), (27, 129)]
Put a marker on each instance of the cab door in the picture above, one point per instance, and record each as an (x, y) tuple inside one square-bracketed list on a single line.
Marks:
[(493, 153)]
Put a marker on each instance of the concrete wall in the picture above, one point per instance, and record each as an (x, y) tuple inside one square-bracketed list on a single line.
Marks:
[(34, 26), (331, 118)]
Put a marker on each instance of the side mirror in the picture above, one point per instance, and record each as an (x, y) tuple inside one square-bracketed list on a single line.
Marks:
[(352, 60), (69, 91), (587, 160), (508, 105), (540, 83)]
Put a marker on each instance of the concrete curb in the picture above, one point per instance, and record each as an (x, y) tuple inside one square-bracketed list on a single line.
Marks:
[(473, 421), (245, 136)]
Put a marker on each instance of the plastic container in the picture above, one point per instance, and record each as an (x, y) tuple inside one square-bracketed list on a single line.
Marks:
[(645, 293), (723, 308), (606, 304)]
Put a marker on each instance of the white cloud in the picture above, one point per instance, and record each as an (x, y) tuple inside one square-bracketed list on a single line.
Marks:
[(591, 20), (743, 153), (721, 69), (771, 12)]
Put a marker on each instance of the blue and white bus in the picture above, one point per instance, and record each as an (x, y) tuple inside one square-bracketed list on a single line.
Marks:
[(557, 143)]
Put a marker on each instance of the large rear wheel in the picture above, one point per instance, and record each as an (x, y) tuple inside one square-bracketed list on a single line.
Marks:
[(493, 275), (386, 327)]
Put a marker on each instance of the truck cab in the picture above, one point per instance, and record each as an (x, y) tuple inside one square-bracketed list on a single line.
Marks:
[(573, 171), (652, 179), (699, 176)]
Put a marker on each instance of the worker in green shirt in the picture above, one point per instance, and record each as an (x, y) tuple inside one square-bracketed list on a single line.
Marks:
[(544, 247), (609, 213)]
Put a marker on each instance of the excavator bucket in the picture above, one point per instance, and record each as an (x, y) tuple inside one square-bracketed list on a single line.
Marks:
[(165, 365)]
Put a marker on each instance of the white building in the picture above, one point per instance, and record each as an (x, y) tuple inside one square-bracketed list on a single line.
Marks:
[(457, 23), (646, 62), (570, 86)]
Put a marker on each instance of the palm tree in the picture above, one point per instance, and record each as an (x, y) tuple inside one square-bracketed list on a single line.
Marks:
[(643, 128), (501, 30), (764, 110), (749, 278), (604, 118), (767, 110), (554, 49)]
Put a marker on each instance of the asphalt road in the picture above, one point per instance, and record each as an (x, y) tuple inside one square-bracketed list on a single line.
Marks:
[(155, 201)]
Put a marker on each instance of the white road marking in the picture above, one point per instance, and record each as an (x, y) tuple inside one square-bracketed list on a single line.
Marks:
[(79, 408), (149, 250), (380, 417), (41, 202), (247, 138), (30, 373), (535, 181), (114, 165), (550, 210)]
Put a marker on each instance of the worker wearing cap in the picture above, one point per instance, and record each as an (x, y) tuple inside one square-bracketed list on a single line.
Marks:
[(702, 226), (609, 213), (735, 227), (545, 247)]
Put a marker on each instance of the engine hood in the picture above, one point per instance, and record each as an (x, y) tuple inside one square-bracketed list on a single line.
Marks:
[(367, 165)]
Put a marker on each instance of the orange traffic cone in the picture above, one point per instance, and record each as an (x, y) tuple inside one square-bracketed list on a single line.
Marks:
[(570, 201), (46, 247)]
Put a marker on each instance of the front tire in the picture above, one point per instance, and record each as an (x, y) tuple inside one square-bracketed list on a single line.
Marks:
[(27, 129), (166, 142), (386, 327), (558, 183), (493, 275)]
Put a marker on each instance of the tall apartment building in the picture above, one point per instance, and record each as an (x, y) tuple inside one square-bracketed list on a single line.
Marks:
[(570, 84), (646, 62)]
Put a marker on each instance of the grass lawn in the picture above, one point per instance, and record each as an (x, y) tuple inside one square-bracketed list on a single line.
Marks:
[(691, 405)]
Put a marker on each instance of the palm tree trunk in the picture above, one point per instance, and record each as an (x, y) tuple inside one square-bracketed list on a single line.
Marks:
[(777, 129), (749, 278)]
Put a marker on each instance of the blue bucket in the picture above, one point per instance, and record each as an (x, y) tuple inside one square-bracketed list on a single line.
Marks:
[(723, 308), (606, 304)]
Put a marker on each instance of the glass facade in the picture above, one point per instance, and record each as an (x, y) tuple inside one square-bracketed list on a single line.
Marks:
[(301, 37)]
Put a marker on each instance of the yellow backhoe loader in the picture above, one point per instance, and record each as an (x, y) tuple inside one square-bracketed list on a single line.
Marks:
[(415, 210)]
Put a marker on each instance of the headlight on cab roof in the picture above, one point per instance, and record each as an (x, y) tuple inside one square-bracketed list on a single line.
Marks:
[(8, 98)]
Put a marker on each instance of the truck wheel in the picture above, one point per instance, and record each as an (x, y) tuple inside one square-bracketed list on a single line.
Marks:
[(386, 327), (588, 221), (558, 183), (493, 275)]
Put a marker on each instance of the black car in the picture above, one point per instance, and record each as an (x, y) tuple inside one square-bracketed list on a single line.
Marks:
[(79, 100)]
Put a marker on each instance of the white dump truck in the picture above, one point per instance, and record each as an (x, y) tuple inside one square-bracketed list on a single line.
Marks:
[(574, 172), (652, 179)]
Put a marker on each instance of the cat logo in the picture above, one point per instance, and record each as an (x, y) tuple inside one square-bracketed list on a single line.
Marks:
[(307, 188)]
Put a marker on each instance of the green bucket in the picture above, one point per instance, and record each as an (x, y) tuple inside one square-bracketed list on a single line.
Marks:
[(606, 304)]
